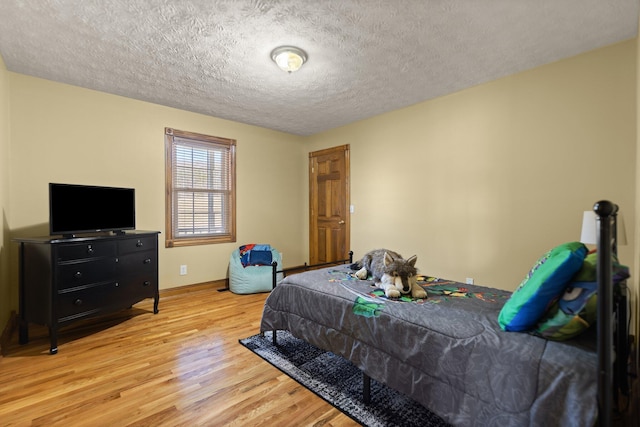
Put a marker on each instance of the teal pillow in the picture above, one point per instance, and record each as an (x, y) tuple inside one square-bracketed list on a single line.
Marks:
[(543, 285), (578, 308)]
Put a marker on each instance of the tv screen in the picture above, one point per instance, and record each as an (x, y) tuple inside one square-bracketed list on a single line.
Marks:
[(84, 208)]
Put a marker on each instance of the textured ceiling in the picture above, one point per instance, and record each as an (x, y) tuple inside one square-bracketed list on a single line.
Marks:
[(366, 57)]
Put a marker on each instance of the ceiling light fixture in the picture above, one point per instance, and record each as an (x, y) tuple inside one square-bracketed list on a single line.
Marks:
[(289, 58)]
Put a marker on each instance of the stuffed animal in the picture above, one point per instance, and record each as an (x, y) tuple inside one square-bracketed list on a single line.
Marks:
[(394, 274)]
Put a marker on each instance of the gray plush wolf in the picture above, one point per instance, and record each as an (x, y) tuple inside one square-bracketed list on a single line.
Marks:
[(394, 274)]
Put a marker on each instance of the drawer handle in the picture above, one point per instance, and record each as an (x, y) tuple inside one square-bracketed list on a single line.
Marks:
[(78, 275), (139, 244), (77, 302), (89, 250), (146, 283), (147, 261)]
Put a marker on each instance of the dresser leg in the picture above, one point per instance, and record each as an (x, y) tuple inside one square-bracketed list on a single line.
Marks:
[(23, 331), (156, 300), (53, 337)]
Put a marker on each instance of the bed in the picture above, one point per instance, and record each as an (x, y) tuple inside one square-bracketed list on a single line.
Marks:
[(449, 353)]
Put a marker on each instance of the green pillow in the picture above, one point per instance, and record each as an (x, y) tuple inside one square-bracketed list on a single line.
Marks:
[(543, 285), (572, 314), (578, 307)]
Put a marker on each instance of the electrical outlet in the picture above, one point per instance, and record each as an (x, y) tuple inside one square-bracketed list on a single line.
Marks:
[(183, 270), (469, 280)]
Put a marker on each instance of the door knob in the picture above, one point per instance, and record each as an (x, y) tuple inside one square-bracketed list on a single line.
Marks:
[(341, 222)]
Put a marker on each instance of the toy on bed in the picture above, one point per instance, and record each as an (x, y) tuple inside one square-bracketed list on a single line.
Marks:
[(394, 274), (250, 268)]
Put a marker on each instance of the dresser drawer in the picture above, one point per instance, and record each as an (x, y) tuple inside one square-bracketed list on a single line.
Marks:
[(138, 244), (85, 250), (137, 264), (85, 272), (138, 288), (87, 301)]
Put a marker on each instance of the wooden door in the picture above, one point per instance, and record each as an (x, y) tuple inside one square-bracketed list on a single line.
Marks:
[(329, 222)]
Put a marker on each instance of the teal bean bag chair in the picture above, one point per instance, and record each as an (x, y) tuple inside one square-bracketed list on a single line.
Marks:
[(251, 272)]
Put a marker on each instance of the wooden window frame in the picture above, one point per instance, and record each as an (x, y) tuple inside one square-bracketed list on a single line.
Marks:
[(172, 239)]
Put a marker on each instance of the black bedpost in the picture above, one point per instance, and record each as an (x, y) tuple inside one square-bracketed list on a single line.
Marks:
[(274, 274), (605, 212), (274, 278), (366, 388)]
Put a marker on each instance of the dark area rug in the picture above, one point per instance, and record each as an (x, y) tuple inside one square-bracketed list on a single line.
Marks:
[(339, 382)]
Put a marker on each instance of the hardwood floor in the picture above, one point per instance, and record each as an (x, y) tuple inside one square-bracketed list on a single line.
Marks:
[(181, 367)]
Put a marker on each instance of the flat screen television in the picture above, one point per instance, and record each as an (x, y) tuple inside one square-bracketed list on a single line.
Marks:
[(75, 209)]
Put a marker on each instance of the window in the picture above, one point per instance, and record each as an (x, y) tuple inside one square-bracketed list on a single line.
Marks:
[(200, 196)]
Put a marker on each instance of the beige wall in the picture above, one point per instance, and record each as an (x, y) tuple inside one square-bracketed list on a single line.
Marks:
[(8, 294), (62, 133), (482, 182)]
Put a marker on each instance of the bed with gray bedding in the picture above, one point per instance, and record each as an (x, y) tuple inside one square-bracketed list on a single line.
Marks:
[(446, 352)]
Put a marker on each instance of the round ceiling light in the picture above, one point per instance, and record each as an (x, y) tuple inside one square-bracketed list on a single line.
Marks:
[(289, 58)]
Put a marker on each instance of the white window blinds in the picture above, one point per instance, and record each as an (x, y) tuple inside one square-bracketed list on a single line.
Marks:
[(202, 205)]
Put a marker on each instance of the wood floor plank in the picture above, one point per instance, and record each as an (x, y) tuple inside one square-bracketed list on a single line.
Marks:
[(180, 367)]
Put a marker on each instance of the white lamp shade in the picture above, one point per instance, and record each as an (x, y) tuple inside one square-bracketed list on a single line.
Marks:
[(589, 233), (622, 231)]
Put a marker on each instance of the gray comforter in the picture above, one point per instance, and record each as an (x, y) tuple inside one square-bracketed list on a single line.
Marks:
[(446, 352)]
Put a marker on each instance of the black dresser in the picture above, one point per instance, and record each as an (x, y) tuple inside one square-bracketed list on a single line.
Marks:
[(66, 279)]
